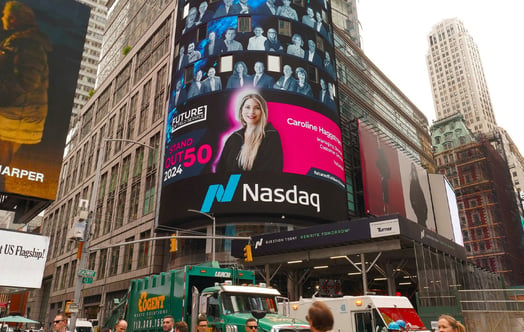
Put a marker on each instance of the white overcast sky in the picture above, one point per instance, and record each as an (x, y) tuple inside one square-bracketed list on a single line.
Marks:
[(394, 36)]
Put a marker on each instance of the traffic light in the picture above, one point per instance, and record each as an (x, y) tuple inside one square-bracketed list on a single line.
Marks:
[(248, 255), (172, 247)]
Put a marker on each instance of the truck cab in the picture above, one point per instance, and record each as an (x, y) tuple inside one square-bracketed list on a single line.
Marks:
[(219, 293), (228, 306), (362, 313)]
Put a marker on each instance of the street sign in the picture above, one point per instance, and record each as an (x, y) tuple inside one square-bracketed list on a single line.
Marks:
[(86, 273), (73, 307), (87, 280)]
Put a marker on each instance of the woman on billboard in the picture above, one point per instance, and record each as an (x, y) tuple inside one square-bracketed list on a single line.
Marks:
[(239, 78), (303, 86), (256, 146)]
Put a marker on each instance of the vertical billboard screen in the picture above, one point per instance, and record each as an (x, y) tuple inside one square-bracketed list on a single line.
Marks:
[(381, 174), (446, 208), (41, 45), (253, 125), (393, 183)]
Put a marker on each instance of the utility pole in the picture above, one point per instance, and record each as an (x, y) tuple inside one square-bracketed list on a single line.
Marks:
[(84, 245), (214, 230)]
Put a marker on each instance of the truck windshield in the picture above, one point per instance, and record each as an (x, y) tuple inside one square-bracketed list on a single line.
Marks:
[(238, 302)]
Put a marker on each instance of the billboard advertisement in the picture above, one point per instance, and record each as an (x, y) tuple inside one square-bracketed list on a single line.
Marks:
[(41, 44), (252, 125), (446, 208), (393, 183), (25, 252), (415, 187), (381, 174)]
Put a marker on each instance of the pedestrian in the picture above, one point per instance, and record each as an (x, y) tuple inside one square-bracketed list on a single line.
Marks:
[(168, 323), (120, 326), (320, 317), (201, 323), (180, 326), (60, 323), (447, 323), (393, 326), (251, 325)]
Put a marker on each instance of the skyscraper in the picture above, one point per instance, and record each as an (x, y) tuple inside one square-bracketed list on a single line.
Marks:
[(91, 56), (457, 77)]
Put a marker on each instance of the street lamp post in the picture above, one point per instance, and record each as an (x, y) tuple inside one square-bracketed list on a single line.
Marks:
[(214, 230), (87, 232)]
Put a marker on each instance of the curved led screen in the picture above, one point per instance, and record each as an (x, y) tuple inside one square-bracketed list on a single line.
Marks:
[(252, 125)]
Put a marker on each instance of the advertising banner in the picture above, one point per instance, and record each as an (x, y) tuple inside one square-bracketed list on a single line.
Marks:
[(252, 125), (25, 252), (381, 174), (41, 46), (415, 187)]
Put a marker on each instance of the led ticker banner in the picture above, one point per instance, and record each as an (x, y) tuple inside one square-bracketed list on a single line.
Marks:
[(252, 125), (41, 45)]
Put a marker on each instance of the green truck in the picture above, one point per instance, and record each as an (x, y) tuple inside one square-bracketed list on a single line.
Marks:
[(226, 296)]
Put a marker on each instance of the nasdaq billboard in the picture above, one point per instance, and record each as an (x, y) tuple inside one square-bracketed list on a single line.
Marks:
[(253, 125)]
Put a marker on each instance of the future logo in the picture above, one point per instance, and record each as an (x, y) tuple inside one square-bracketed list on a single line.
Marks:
[(252, 127)]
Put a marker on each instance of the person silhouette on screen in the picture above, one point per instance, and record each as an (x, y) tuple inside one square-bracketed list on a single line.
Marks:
[(260, 79), (239, 78), (286, 82), (212, 82)]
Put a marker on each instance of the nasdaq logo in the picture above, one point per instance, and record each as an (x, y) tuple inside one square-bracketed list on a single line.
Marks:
[(221, 194)]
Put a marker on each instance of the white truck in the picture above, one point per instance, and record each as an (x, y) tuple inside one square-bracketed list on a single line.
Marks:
[(82, 325), (370, 313)]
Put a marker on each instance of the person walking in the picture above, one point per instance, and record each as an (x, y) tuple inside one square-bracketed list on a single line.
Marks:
[(201, 323), (60, 323), (181, 326), (251, 325), (168, 323), (447, 323), (120, 326), (320, 317)]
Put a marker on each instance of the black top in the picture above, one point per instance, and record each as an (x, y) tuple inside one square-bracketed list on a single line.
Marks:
[(269, 156)]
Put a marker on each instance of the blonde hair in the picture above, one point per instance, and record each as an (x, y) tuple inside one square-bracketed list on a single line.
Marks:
[(23, 14), (252, 139), (455, 324)]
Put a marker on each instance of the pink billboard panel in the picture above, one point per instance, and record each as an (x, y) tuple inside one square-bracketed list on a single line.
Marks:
[(381, 174)]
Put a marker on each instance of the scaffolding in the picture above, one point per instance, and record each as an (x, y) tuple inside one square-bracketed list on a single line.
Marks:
[(487, 206)]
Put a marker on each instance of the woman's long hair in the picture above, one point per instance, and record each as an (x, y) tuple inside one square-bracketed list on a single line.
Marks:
[(455, 324), (252, 139), (244, 73)]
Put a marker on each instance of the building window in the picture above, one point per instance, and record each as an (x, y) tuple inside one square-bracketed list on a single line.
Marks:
[(143, 250), (113, 266), (64, 276), (102, 264), (149, 195), (72, 275), (58, 272), (128, 255)]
